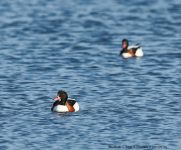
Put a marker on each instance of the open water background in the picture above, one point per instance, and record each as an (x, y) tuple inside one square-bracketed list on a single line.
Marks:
[(46, 46)]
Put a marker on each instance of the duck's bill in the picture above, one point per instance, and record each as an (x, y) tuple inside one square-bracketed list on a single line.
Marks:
[(56, 98), (124, 45)]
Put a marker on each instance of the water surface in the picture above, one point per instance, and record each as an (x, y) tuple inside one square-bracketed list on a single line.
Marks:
[(74, 46)]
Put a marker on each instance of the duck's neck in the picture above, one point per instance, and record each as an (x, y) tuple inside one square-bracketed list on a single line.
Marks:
[(124, 50), (63, 101)]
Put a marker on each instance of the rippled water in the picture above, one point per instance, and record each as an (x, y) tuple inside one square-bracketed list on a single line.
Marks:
[(74, 46)]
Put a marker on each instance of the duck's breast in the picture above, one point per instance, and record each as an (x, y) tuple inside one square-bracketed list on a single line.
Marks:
[(61, 108), (126, 55)]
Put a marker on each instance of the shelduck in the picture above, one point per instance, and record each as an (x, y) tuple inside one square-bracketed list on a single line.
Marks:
[(64, 104), (130, 51)]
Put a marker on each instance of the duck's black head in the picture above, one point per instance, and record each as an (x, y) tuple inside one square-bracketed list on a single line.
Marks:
[(125, 43), (63, 96)]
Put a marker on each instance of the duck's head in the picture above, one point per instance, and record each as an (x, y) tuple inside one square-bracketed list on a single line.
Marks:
[(61, 95), (125, 43)]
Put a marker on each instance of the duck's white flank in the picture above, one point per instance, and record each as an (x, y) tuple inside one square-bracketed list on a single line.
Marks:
[(139, 52), (76, 107)]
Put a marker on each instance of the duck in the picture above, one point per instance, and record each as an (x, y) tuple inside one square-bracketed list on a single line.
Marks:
[(64, 104), (130, 51)]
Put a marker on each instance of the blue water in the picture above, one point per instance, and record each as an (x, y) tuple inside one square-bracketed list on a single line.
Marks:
[(47, 46)]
